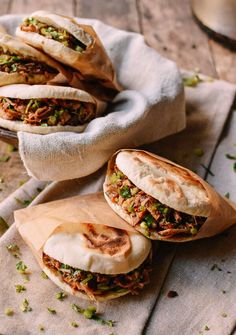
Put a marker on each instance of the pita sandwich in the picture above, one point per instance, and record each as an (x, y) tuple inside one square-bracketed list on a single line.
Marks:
[(77, 46), (160, 199), (97, 262), (22, 64), (44, 109)]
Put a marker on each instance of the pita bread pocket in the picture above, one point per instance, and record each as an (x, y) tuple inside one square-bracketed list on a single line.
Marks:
[(22, 64), (77, 46), (163, 200), (44, 109), (85, 248)]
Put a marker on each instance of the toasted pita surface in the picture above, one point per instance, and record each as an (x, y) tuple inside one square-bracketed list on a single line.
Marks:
[(171, 185), (100, 249), (14, 45), (64, 286)]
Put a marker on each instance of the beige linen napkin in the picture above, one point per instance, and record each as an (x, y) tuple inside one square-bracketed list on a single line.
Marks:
[(191, 276)]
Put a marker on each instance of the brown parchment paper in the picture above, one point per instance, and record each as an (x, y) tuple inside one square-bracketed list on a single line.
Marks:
[(95, 72), (37, 223), (223, 211)]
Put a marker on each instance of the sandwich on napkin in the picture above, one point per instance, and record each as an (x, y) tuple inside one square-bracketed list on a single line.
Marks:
[(163, 200), (22, 64), (77, 46), (85, 248), (44, 109)]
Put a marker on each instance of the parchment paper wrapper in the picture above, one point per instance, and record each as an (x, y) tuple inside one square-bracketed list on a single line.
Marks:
[(95, 72), (36, 224), (223, 211)]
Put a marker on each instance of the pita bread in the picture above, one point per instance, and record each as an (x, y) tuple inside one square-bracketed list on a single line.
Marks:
[(15, 46), (98, 248), (22, 91), (92, 62), (172, 186)]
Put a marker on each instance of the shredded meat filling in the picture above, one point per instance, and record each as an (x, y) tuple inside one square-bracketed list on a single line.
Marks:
[(13, 63), (47, 112), (96, 284), (153, 217), (57, 34)]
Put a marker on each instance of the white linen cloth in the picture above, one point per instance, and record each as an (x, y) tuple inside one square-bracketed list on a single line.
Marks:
[(150, 107), (200, 302)]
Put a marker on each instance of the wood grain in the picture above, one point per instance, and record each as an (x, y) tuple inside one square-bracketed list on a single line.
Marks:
[(121, 14), (168, 27), (65, 7)]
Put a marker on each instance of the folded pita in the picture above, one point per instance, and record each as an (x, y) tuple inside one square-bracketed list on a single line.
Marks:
[(163, 200), (44, 109), (23, 64), (76, 45), (85, 248)]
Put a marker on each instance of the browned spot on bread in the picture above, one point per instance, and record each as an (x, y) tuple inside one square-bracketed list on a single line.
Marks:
[(115, 242)]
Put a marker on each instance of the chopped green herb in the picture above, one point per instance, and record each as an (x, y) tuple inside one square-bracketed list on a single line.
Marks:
[(41, 328), (25, 307), (86, 280), (125, 192), (21, 267), (22, 182), (14, 249), (9, 311), (227, 195), (74, 324), (51, 310), (43, 275), (207, 328), (20, 288), (61, 296), (208, 170), (44, 125), (4, 159), (230, 157), (193, 231), (3, 225), (224, 315), (198, 152), (11, 148), (90, 313), (25, 203), (192, 81)]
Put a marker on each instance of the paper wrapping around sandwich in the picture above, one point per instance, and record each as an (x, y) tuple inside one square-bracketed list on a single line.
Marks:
[(222, 212), (36, 224)]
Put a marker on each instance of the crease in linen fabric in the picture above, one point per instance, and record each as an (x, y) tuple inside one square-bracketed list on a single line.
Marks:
[(190, 274)]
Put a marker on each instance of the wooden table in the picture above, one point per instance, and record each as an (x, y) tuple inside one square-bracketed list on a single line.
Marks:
[(168, 26)]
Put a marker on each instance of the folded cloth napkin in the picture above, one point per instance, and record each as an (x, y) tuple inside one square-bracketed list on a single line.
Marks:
[(150, 107), (199, 287)]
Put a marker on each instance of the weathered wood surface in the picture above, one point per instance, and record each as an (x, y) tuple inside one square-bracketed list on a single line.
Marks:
[(167, 25)]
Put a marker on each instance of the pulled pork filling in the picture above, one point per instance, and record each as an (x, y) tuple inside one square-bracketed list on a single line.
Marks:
[(47, 112), (58, 34), (96, 284), (13, 63), (152, 217)]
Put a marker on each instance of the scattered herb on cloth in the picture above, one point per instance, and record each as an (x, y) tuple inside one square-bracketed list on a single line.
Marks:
[(25, 307)]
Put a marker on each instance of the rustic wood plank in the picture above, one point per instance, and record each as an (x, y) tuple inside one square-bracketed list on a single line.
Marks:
[(225, 61), (56, 6), (5, 6), (168, 26), (12, 172), (120, 14)]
